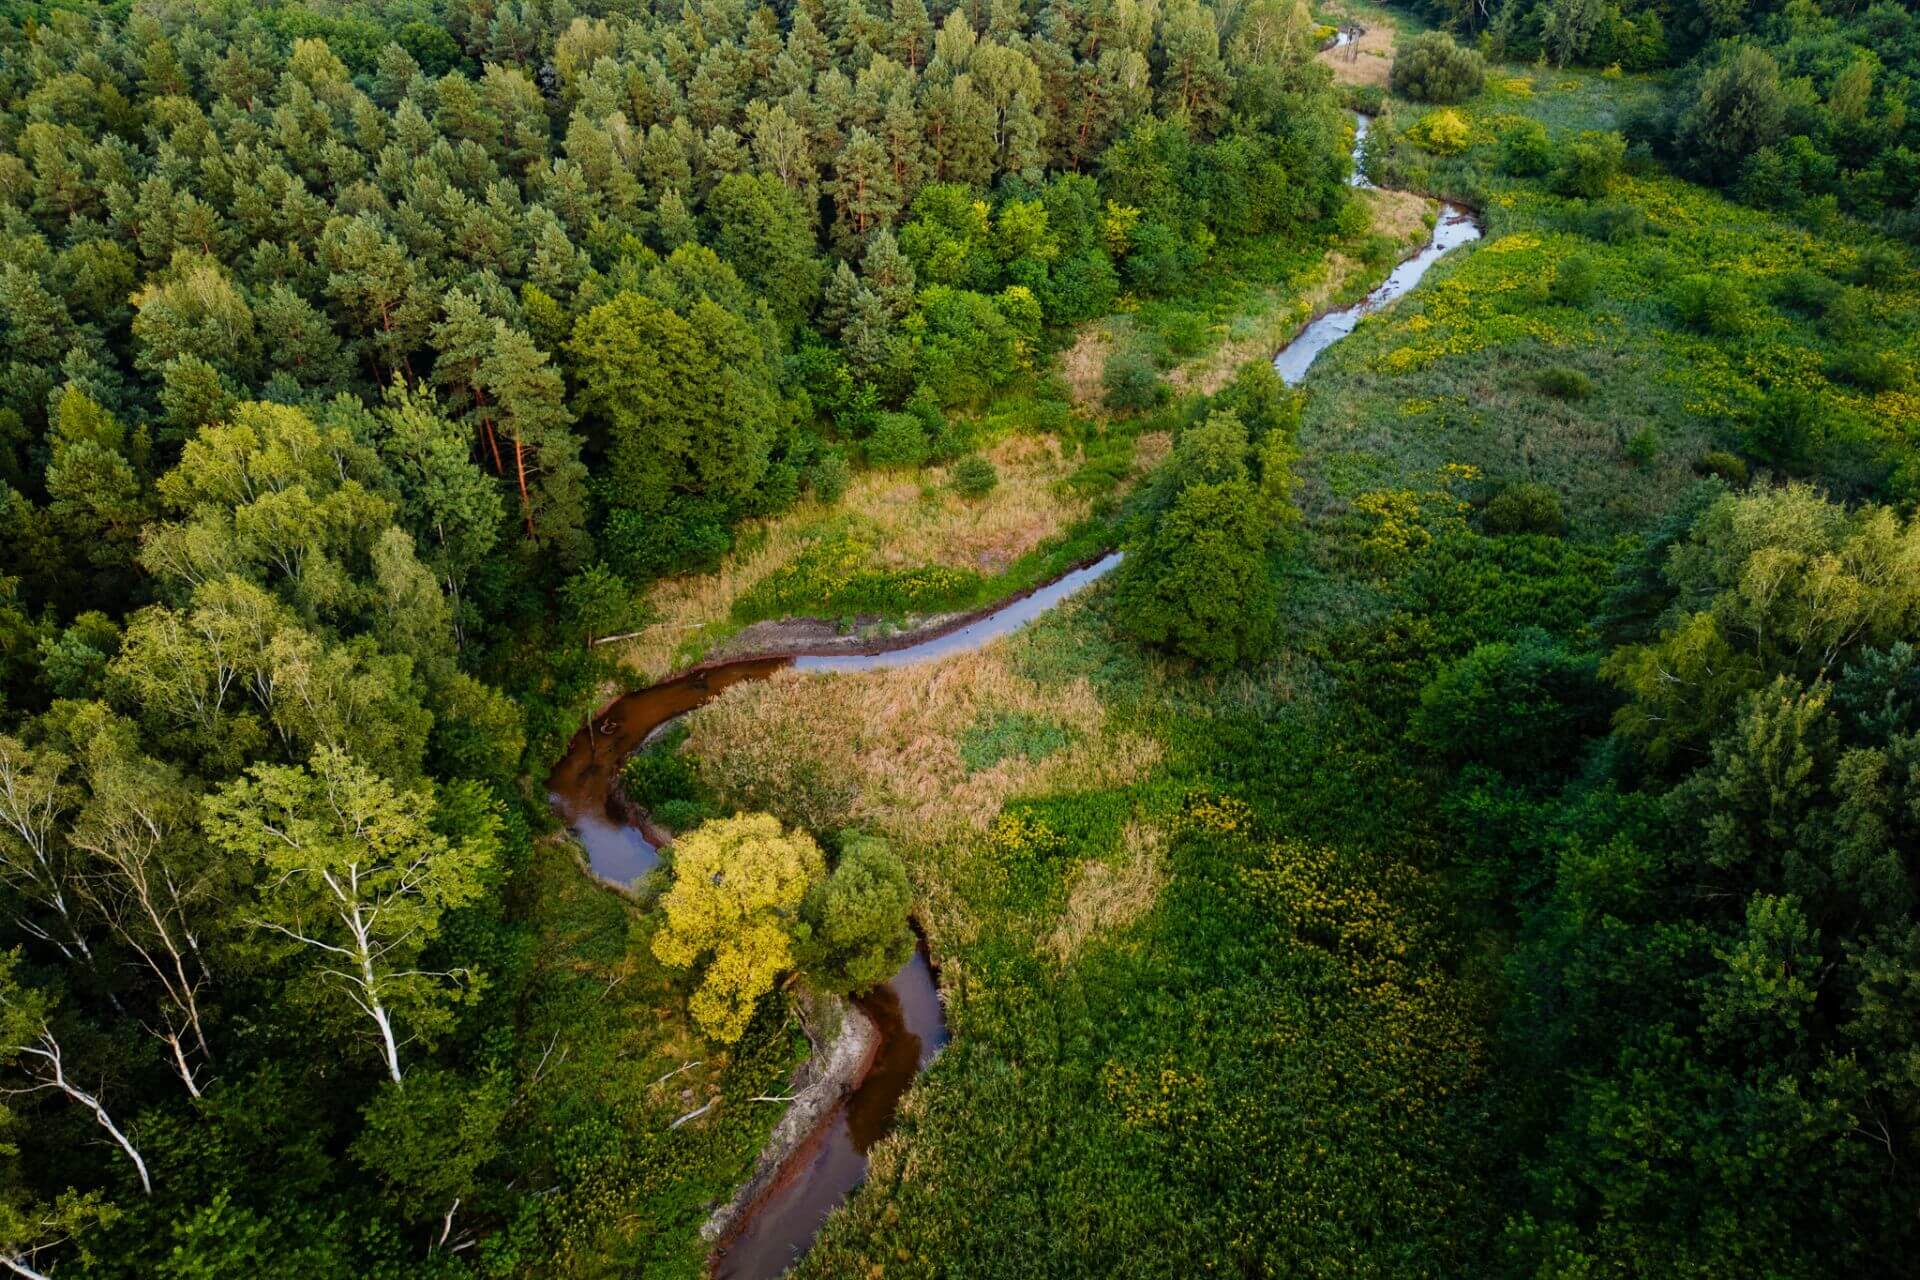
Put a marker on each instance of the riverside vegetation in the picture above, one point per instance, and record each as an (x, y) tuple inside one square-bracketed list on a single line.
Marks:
[(1473, 832)]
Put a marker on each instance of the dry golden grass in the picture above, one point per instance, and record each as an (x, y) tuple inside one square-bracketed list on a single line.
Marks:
[(882, 750), (1082, 365), (915, 520), (1398, 214), (1150, 449), (1365, 61), (1104, 897)]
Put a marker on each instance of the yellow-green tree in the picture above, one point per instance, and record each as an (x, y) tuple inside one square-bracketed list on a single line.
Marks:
[(734, 908)]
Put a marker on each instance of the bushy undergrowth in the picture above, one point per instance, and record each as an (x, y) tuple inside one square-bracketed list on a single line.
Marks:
[(833, 577)]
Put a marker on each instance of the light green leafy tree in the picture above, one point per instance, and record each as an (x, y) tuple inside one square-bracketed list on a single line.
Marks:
[(355, 881)]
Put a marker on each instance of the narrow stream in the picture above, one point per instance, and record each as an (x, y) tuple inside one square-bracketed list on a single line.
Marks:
[(1454, 228), (584, 791), (834, 1161)]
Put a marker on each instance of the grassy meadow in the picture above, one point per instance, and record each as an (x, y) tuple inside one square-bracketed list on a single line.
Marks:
[(1222, 1000)]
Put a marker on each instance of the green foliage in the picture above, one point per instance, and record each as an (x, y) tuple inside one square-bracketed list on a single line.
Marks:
[(1012, 736), (427, 1142), (1643, 447), (597, 601), (1432, 68), (829, 477), (659, 778), (974, 476), (1526, 150), (1563, 383), (359, 882), (1710, 304), (1785, 430), (1198, 583), (1740, 107), (1527, 507), (1575, 282), (687, 400), (1588, 164), (1521, 706), (898, 440), (856, 919), (1729, 467), (1130, 381)]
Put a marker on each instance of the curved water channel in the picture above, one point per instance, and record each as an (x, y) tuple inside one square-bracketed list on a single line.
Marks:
[(622, 845), (1454, 228)]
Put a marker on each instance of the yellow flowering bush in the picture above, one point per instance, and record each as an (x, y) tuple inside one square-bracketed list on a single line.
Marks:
[(1442, 132), (737, 887)]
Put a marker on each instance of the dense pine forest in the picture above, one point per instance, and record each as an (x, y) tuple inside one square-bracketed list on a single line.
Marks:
[(1473, 830)]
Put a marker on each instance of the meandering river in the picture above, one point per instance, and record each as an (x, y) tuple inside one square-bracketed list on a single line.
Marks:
[(621, 845), (1454, 228)]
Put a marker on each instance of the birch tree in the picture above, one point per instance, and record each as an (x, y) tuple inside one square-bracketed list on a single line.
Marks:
[(356, 883), (145, 869), (35, 795), (28, 1041)]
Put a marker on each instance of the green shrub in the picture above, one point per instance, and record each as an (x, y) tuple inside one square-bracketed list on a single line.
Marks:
[(974, 477), (1729, 467), (1563, 383), (1613, 222), (1526, 150), (1643, 446), (898, 440), (1527, 507), (1432, 68), (1806, 291), (1131, 381), (1870, 370), (1710, 304), (857, 933), (829, 477), (680, 816), (662, 781), (1185, 332), (1519, 706), (1354, 221), (1880, 264), (1368, 99), (1848, 318), (1786, 430), (1197, 582), (1575, 281), (1589, 164), (690, 533)]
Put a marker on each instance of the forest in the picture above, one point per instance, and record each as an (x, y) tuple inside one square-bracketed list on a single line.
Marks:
[(1473, 830)]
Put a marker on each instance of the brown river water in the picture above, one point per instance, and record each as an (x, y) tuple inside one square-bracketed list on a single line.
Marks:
[(584, 791), (620, 847)]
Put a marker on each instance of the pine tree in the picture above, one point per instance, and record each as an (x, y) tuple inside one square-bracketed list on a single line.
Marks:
[(865, 196), (912, 33)]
